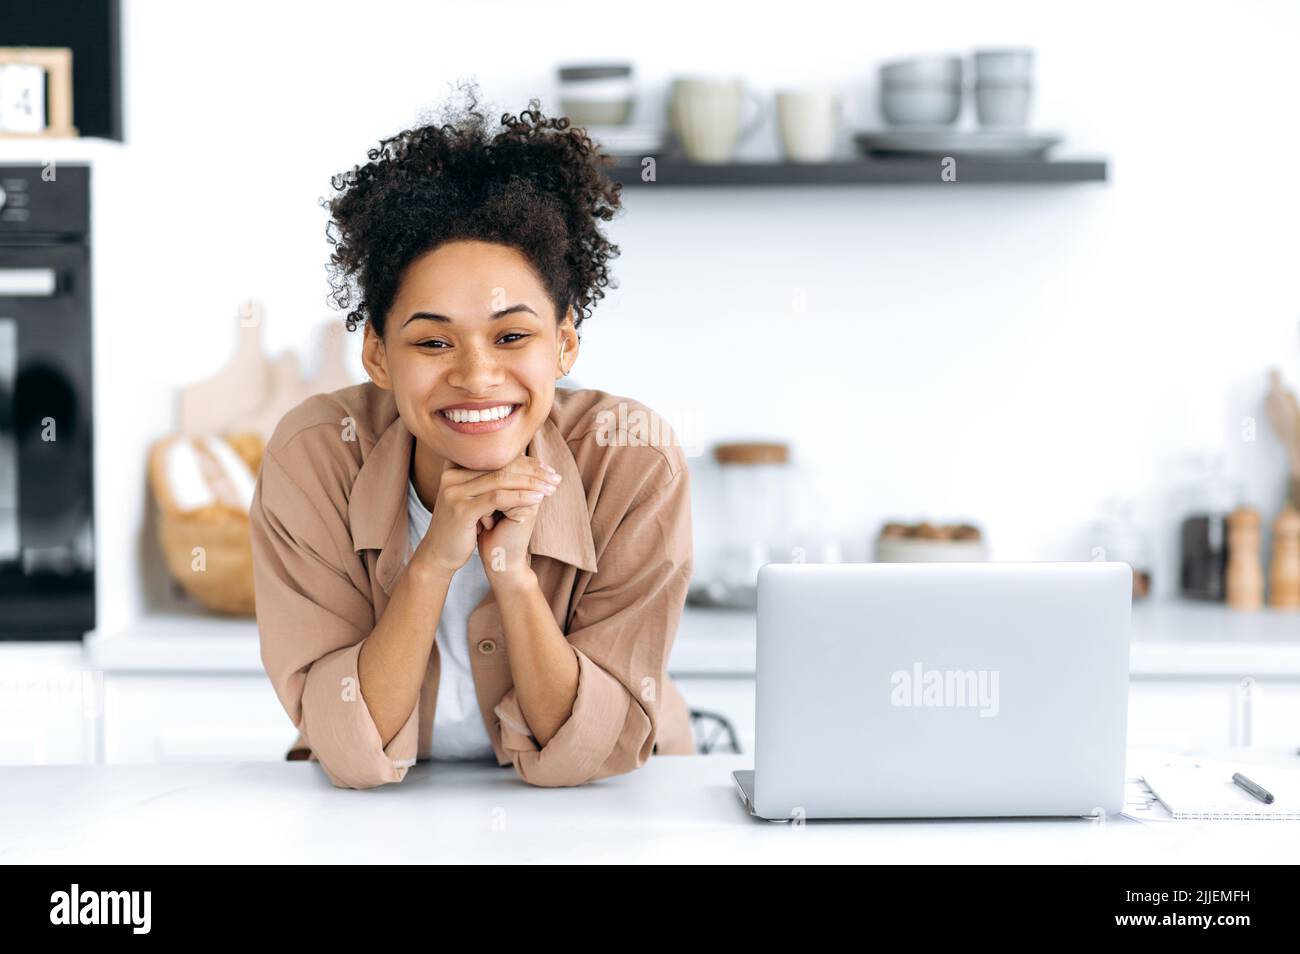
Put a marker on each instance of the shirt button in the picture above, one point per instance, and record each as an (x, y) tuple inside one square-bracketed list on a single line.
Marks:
[(487, 647)]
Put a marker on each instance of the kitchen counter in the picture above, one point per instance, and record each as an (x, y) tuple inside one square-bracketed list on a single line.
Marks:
[(675, 809), (1170, 638)]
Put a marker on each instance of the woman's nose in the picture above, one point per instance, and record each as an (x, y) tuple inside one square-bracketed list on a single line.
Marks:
[(476, 369)]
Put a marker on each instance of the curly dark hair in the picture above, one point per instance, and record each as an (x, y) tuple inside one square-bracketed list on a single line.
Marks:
[(538, 185)]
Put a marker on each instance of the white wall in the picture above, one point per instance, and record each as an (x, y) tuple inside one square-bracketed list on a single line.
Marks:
[(1009, 355)]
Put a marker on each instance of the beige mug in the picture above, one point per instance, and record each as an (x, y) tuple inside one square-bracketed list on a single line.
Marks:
[(707, 116), (809, 120)]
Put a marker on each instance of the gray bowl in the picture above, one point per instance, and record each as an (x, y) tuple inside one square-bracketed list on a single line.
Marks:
[(1003, 105), (923, 69), (1009, 65), (920, 105)]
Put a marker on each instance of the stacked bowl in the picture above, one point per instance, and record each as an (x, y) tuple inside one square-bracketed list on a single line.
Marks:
[(1004, 86), (921, 91)]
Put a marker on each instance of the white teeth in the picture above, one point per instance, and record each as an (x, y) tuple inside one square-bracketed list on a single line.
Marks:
[(461, 416)]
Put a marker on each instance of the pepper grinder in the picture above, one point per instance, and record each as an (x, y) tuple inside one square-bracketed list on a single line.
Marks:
[(1245, 573), (1284, 573)]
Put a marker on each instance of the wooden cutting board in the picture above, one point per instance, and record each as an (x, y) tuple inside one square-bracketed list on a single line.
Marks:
[(253, 390)]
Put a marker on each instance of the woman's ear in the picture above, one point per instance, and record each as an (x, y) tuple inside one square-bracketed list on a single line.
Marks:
[(375, 358), (567, 355)]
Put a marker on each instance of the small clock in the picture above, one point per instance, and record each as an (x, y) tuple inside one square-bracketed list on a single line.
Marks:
[(36, 91)]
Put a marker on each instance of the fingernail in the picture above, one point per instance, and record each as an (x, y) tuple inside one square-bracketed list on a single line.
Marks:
[(534, 495)]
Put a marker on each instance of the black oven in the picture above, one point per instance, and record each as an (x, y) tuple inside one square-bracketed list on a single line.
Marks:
[(47, 544)]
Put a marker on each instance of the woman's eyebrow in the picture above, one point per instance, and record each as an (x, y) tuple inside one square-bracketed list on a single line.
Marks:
[(431, 316)]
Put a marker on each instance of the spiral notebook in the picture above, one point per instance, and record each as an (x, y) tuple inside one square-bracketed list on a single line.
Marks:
[(1203, 789)]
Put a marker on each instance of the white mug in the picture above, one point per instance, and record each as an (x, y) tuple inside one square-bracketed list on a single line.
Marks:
[(706, 115), (808, 120)]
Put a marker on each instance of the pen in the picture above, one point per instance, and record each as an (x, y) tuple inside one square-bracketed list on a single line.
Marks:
[(1241, 780)]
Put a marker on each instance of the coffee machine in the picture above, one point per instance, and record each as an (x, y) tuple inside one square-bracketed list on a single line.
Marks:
[(47, 551)]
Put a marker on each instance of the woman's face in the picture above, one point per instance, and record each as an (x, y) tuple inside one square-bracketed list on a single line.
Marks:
[(471, 329)]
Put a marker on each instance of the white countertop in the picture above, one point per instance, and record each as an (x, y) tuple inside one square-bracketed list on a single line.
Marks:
[(1170, 639), (674, 809)]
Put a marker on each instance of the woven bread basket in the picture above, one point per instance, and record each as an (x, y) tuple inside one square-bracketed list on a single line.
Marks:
[(202, 486)]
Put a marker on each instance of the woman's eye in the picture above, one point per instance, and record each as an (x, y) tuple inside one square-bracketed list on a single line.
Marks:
[(438, 344)]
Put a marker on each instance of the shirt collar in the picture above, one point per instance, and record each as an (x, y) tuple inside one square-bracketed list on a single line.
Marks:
[(377, 504)]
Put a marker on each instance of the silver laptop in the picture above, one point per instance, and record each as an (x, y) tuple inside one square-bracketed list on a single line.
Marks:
[(914, 690)]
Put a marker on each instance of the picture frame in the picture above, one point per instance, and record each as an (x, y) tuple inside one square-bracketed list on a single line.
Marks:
[(36, 92)]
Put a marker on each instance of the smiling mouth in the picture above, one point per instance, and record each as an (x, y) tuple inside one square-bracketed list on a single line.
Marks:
[(480, 422)]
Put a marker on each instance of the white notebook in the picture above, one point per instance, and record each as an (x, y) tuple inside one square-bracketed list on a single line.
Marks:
[(1203, 789)]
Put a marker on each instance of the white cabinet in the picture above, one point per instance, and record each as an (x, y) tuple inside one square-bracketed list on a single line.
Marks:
[(176, 688), (1180, 715), (184, 717), (47, 716), (1188, 714)]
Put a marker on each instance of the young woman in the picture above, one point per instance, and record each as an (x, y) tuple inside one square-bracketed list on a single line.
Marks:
[(457, 559)]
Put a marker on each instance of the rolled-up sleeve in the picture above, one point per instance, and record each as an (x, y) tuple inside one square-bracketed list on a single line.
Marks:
[(622, 632), (312, 621)]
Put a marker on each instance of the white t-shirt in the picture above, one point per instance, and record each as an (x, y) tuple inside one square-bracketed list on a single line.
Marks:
[(458, 730)]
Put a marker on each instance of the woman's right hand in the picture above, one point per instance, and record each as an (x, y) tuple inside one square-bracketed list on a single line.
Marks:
[(466, 497)]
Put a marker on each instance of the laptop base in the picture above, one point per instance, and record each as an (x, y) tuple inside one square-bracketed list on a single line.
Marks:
[(744, 780)]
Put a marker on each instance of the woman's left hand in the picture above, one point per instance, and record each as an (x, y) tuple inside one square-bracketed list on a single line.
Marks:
[(503, 539)]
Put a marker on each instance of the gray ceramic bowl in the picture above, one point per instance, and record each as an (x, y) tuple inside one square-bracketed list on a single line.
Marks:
[(1010, 65), (1003, 105), (923, 69), (920, 105)]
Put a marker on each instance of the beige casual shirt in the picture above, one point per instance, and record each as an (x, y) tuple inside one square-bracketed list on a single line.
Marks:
[(611, 549)]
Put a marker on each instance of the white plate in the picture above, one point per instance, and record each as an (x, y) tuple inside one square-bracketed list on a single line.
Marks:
[(628, 140)]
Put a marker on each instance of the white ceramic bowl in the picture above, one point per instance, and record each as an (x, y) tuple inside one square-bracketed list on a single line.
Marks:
[(1003, 105), (596, 95), (920, 105), (923, 69), (1012, 65)]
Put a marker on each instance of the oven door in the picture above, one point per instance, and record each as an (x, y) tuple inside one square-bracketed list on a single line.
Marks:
[(46, 445)]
